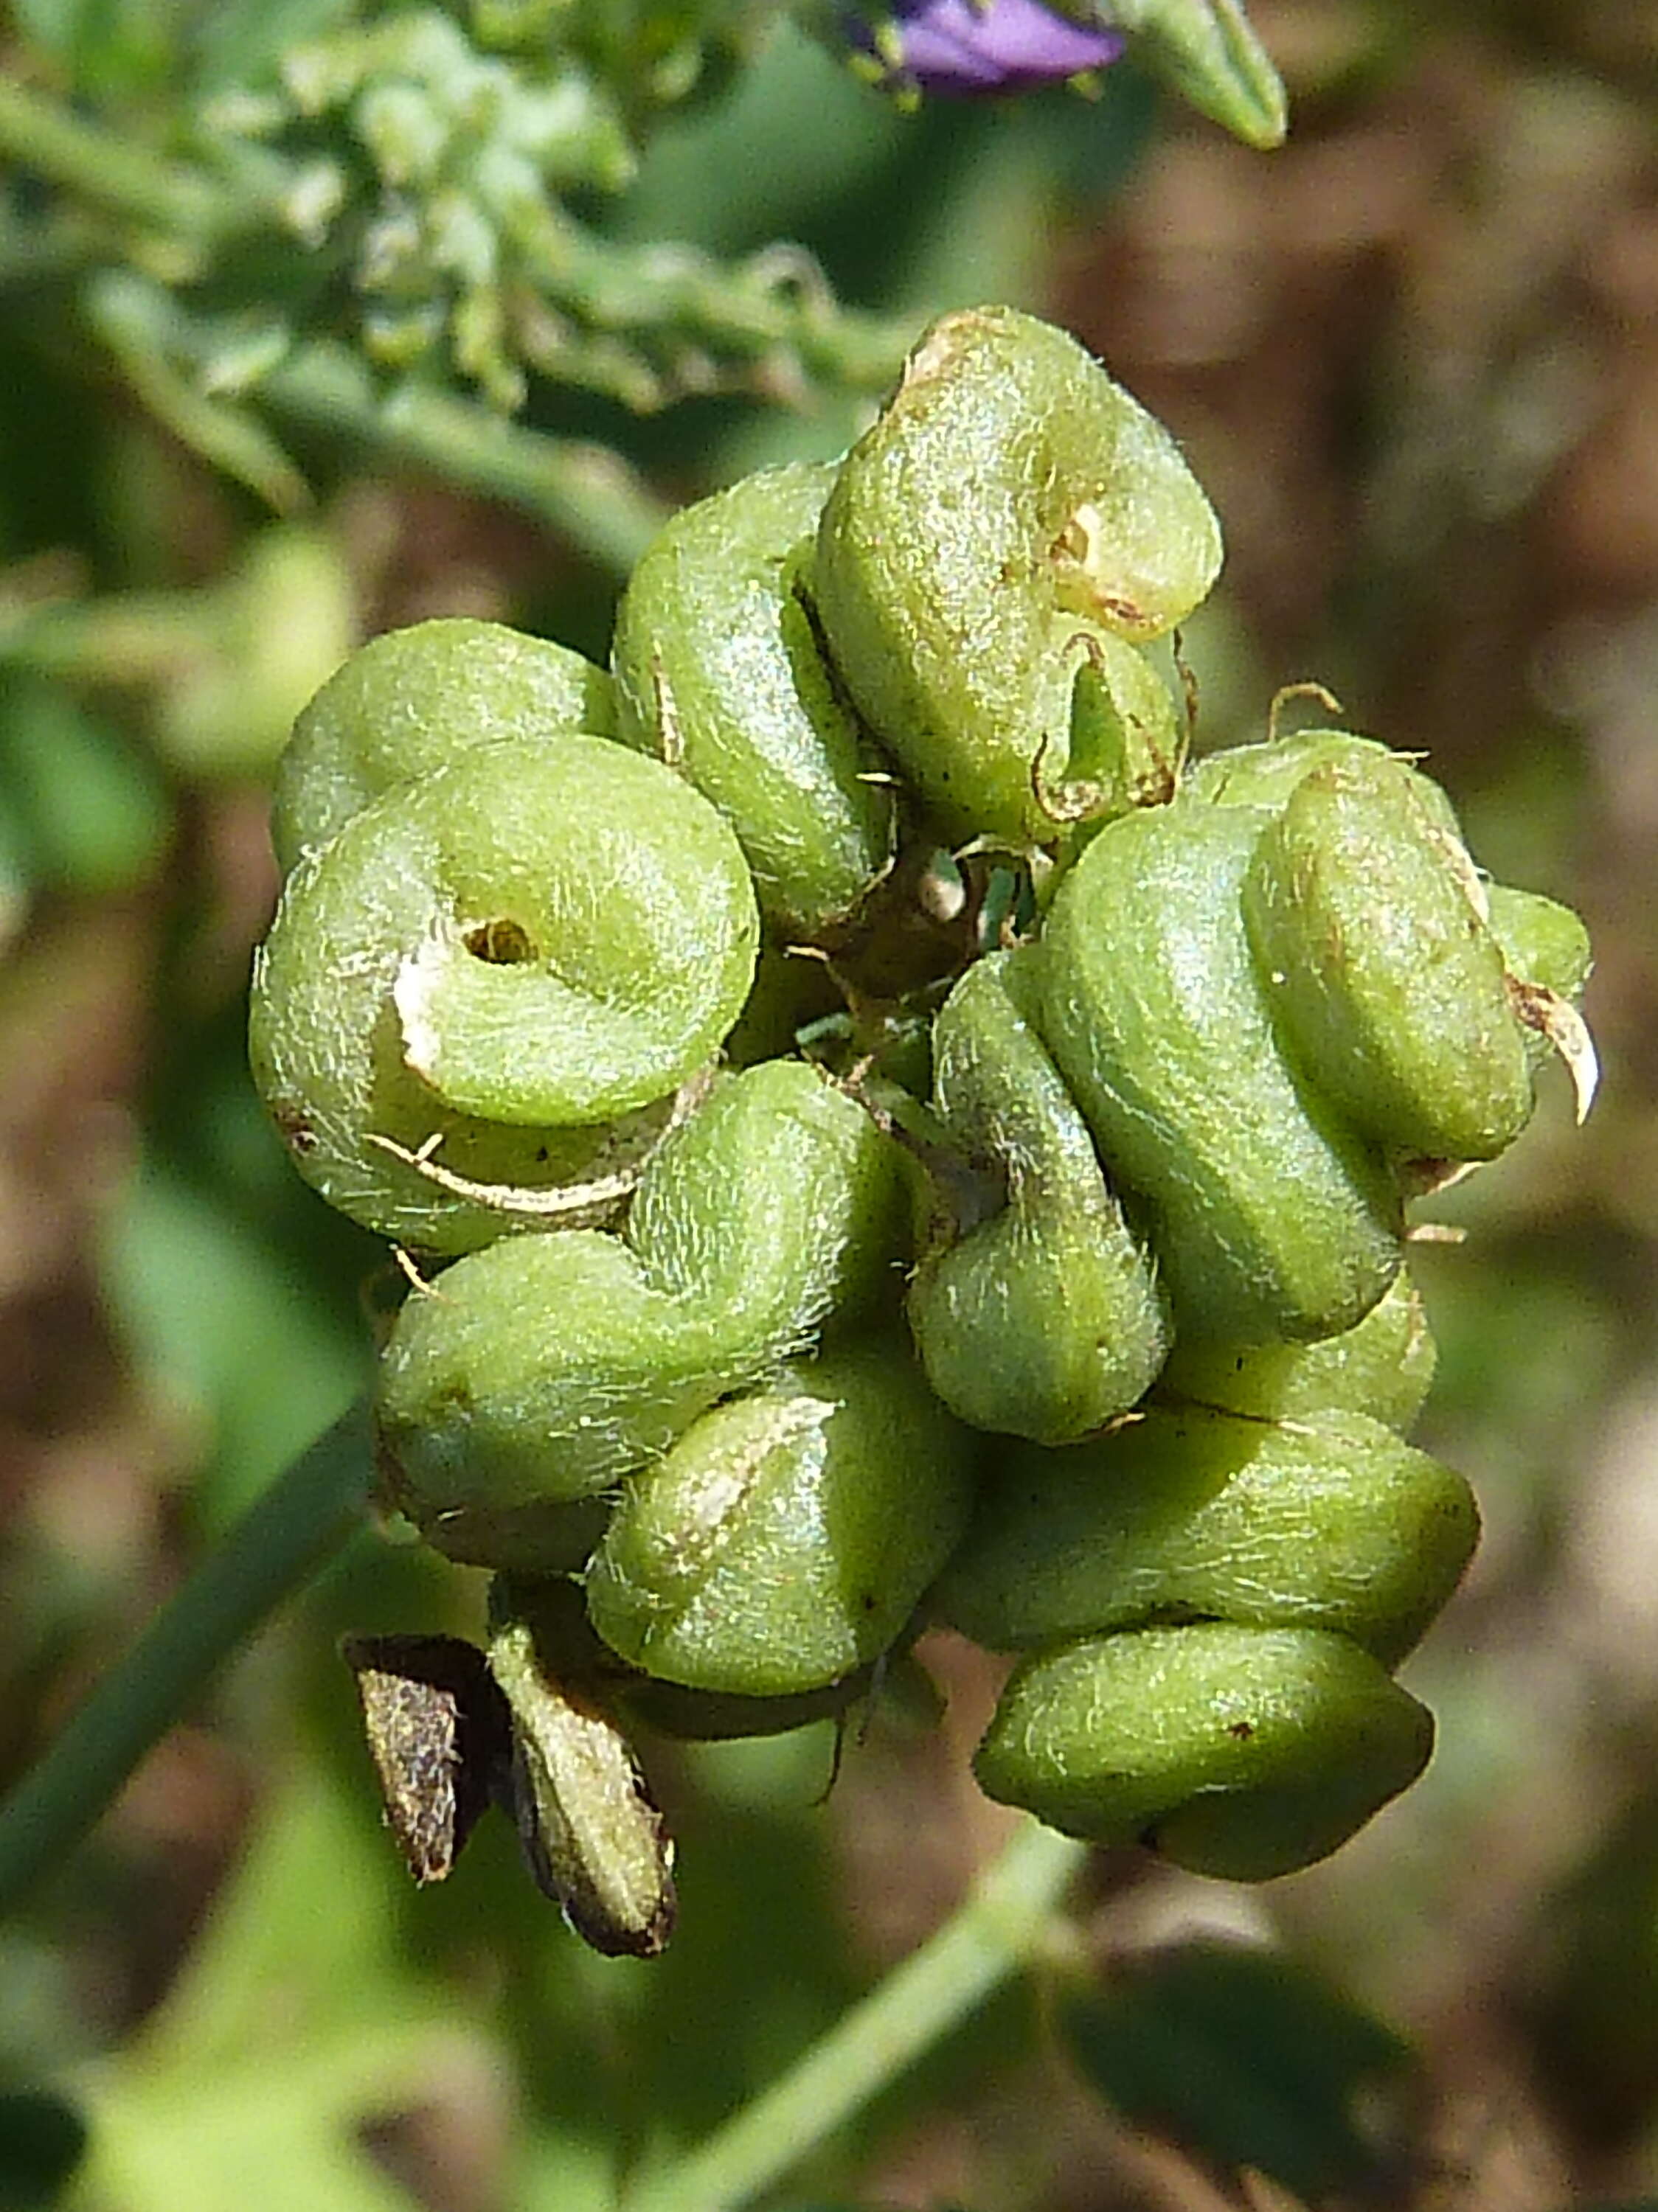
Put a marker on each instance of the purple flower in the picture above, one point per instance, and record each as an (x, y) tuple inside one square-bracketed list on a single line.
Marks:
[(956, 49)]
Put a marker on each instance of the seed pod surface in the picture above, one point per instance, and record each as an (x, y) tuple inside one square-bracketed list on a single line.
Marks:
[(545, 937), (1384, 975), (1331, 1522), (1242, 1752), (409, 701), (785, 1540), (719, 672), (1041, 1319), (1010, 503), (1271, 1217)]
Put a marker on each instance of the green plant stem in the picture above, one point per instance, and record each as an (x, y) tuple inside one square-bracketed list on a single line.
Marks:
[(39, 133), (305, 1514), (1004, 1922), (583, 492)]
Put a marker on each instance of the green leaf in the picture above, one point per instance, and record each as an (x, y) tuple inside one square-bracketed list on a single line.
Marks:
[(79, 811), (1241, 2056)]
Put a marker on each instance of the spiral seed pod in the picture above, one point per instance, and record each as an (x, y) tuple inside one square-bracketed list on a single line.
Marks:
[(783, 1541), (1273, 1218), (1266, 774), (719, 672), (1329, 1522), (1240, 1752), (1368, 923), (1011, 511), (544, 1368), (1384, 1368), (545, 935), (1039, 1315), (411, 701)]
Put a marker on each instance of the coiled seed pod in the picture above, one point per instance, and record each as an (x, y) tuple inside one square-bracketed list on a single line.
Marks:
[(1273, 1218), (1013, 518), (544, 1368), (545, 936), (1266, 774), (783, 1541), (1039, 1315), (1328, 1521), (719, 672), (1367, 923), (409, 701), (1384, 1368), (1240, 1752)]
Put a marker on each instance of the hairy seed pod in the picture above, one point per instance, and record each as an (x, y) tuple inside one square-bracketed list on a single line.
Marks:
[(1039, 1314), (783, 1541), (1271, 1217), (411, 701), (1331, 1521), (1010, 510), (1368, 926), (1240, 1752), (719, 672), (1266, 774), (544, 1368), (1384, 1368), (1543, 943), (544, 936)]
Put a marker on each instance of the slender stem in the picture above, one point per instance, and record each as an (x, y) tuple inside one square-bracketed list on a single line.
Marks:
[(306, 1514), (1000, 1926), (38, 133), (585, 492)]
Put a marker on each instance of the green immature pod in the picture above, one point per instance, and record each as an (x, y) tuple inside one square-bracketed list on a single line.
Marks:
[(1266, 774), (1242, 1752), (1331, 1522), (1368, 928), (1039, 1316), (784, 1542), (1011, 511), (543, 1369), (1271, 1217), (719, 672), (1543, 943), (411, 701), (544, 936), (1384, 1368)]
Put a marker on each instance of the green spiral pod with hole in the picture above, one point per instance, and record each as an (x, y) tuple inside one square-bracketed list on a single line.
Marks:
[(469, 988)]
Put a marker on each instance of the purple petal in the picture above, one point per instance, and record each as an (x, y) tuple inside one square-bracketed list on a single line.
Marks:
[(954, 48)]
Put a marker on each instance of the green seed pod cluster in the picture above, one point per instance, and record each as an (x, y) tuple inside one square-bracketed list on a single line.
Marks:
[(877, 1137)]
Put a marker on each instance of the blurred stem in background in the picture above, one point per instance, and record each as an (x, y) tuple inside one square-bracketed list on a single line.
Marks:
[(301, 1519)]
